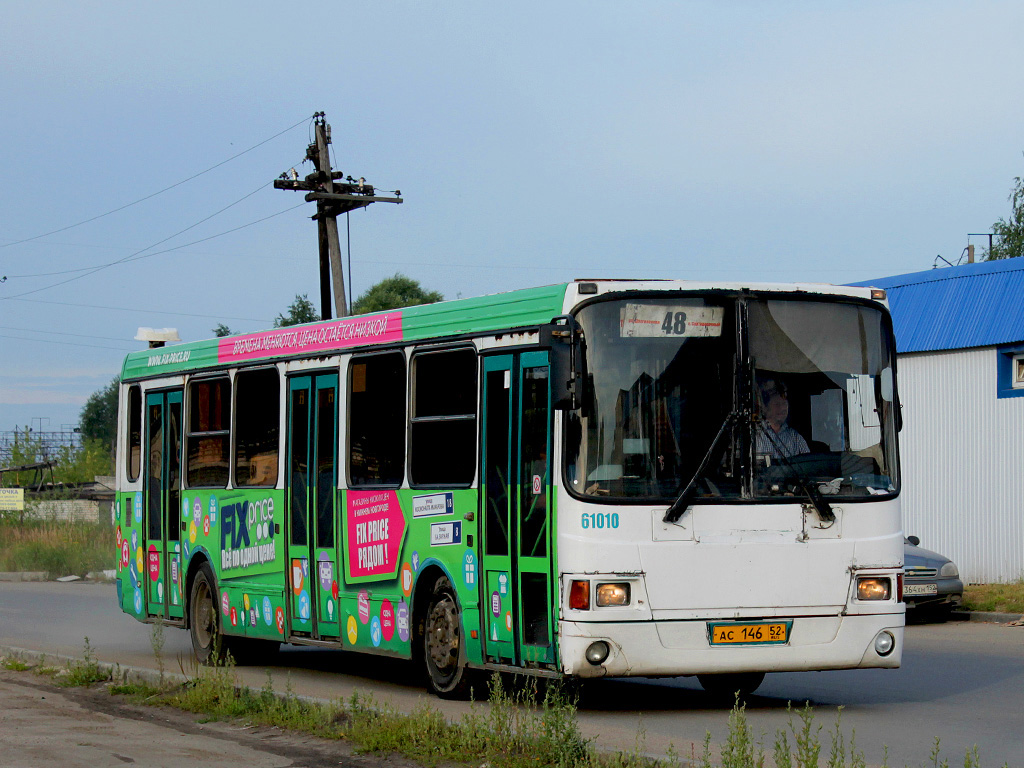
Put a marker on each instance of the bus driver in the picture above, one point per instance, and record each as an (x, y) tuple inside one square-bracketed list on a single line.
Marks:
[(775, 437)]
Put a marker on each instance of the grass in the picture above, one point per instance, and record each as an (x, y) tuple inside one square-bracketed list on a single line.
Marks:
[(15, 664), (1000, 598), (60, 548), (536, 725)]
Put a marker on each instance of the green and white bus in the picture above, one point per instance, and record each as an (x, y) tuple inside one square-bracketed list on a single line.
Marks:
[(592, 479)]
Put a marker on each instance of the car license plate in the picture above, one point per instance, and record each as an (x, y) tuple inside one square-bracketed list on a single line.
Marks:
[(755, 633), (920, 589)]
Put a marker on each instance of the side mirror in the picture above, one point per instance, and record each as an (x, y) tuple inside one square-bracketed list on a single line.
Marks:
[(561, 337), (914, 540)]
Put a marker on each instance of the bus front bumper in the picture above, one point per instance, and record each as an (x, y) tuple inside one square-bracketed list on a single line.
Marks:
[(672, 648)]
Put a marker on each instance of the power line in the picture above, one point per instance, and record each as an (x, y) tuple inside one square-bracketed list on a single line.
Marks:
[(137, 254), (63, 333), (65, 343), (142, 255), (137, 310), (154, 194)]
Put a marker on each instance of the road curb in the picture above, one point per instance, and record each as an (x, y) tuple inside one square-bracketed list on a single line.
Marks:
[(121, 672), (140, 674), (989, 616), (90, 577)]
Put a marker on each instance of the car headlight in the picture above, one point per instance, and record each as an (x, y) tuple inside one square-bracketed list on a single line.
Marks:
[(949, 571)]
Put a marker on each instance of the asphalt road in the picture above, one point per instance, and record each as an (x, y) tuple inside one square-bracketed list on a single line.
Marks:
[(962, 682)]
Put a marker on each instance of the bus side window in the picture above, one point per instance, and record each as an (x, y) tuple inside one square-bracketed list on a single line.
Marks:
[(134, 422), (442, 434), (209, 433), (257, 427), (376, 420)]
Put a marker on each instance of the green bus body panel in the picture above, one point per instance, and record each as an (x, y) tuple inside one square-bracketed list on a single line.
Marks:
[(241, 532), (515, 309)]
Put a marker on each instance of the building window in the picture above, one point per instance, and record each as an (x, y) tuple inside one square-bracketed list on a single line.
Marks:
[(376, 420), (209, 436), (1010, 371), (257, 426), (442, 430)]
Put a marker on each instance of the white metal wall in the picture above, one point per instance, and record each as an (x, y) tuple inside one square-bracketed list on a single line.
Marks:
[(963, 462)]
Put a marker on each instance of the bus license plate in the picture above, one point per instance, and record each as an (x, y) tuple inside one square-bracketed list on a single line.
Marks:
[(761, 633)]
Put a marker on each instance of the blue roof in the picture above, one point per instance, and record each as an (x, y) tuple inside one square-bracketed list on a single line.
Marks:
[(973, 305)]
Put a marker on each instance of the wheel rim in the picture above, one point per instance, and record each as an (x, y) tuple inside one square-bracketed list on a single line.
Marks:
[(442, 636), (204, 623)]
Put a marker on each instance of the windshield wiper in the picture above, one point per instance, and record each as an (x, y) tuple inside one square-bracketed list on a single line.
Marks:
[(822, 507), (674, 512), (678, 507)]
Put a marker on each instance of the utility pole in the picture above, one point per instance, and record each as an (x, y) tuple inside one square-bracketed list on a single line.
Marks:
[(333, 197)]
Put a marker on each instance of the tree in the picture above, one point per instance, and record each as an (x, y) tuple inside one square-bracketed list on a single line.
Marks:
[(72, 464), (299, 311), (221, 330), (1010, 240), (82, 464), (394, 293), (98, 420)]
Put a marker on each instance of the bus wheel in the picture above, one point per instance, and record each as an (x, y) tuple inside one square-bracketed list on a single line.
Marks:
[(442, 643), (204, 627), (725, 688)]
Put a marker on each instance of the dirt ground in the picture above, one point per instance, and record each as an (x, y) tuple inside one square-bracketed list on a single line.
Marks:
[(45, 726)]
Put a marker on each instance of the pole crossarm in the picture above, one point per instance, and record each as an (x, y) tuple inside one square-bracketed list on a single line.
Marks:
[(341, 196)]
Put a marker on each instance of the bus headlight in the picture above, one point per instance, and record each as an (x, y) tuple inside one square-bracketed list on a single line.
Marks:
[(874, 588), (613, 594)]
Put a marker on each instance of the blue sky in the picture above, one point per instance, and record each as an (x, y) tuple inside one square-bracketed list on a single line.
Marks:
[(532, 142)]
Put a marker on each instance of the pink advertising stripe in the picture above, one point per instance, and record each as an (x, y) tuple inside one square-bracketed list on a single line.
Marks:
[(334, 334)]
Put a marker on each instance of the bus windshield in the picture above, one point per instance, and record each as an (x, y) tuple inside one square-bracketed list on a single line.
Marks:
[(796, 392)]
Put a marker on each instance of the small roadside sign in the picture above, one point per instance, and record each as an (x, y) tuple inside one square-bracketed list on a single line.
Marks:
[(12, 499)]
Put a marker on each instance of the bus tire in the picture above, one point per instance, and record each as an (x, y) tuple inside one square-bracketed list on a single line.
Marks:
[(447, 675), (726, 688), (204, 622)]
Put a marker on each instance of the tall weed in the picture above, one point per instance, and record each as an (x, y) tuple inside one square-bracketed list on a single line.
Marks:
[(84, 672)]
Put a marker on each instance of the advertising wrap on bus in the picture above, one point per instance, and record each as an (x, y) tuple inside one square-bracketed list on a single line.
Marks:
[(378, 329)]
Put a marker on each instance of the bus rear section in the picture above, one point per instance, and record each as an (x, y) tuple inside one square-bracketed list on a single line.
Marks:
[(730, 488)]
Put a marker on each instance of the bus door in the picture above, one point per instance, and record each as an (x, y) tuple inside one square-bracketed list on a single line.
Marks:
[(311, 500), (162, 558), (516, 556)]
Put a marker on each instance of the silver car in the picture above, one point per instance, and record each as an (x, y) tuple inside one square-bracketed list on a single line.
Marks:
[(931, 582)]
